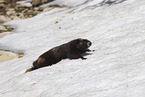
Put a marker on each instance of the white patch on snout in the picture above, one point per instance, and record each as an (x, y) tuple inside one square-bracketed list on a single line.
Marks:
[(88, 44)]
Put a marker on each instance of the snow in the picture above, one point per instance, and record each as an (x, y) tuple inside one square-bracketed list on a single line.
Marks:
[(115, 69), (69, 3), (25, 2)]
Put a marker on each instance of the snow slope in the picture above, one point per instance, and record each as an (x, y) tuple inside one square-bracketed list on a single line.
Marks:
[(115, 69)]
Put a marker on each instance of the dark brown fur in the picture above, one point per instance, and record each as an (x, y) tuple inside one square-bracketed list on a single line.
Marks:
[(71, 50)]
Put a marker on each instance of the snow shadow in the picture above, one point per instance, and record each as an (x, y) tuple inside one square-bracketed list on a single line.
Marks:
[(106, 2), (102, 3), (110, 2)]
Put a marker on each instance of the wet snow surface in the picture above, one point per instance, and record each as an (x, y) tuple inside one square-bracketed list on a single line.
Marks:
[(115, 69)]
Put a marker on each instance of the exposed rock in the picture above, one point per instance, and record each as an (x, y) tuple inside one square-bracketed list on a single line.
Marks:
[(5, 28), (2, 27), (30, 13), (4, 18), (38, 9), (2, 9), (36, 2), (15, 12), (6, 56), (10, 11), (9, 28), (18, 12), (3, 1), (9, 55), (40, 2)]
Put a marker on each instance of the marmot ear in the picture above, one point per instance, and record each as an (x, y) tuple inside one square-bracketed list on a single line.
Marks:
[(78, 40)]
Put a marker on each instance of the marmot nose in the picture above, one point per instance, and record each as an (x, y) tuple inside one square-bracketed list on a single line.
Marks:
[(89, 44)]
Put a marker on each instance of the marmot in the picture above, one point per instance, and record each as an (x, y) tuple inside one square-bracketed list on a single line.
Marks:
[(72, 50)]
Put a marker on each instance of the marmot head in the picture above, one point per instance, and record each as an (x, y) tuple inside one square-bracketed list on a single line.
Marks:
[(81, 44)]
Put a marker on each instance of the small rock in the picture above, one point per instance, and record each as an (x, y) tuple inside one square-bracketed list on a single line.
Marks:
[(13, 17), (40, 2), (3, 1), (56, 22), (25, 10), (38, 9), (10, 11), (4, 18), (36, 2), (2, 9), (9, 28), (5, 28), (2, 27), (30, 13)]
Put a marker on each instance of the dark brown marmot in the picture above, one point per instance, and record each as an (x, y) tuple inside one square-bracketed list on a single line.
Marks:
[(72, 50)]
